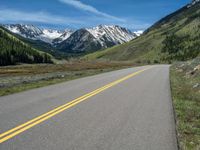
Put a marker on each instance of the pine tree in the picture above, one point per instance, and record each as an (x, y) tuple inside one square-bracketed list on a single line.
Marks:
[(14, 51)]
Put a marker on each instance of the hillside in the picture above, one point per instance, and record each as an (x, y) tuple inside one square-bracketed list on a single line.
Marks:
[(175, 37), (13, 51), (185, 85)]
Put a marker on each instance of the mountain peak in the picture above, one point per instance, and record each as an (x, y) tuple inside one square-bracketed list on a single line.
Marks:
[(25, 30), (112, 33), (35, 33)]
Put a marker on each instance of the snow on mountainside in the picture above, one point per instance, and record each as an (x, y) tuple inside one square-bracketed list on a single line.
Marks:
[(28, 31), (65, 35), (139, 32), (113, 33), (35, 33), (49, 35), (193, 3), (96, 38), (52, 34), (86, 39)]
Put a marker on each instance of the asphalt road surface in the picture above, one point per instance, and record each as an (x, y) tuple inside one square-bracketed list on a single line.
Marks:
[(129, 109)]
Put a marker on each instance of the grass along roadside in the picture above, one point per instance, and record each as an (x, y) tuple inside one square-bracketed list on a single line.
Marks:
[(185, 84), (20, 78)]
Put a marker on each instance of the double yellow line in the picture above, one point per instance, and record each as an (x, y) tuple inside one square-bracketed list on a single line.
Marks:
[(23, 127)]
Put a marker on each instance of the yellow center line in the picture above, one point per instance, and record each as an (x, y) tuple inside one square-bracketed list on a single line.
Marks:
[(25, 126)]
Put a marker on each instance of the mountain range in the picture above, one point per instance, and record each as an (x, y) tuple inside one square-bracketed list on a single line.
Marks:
[(174, 37), (75, 41)]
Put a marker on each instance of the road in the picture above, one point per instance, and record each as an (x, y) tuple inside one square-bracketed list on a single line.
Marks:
[(129, 109)]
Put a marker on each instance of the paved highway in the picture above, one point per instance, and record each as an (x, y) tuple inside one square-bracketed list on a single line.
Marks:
[(129, 109)]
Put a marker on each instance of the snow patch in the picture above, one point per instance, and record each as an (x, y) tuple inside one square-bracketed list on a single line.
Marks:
[(51, 34), (138, 33), (193, 3)]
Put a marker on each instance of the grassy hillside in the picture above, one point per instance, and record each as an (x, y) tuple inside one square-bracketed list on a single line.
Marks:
[(175, 37), (13, 51)]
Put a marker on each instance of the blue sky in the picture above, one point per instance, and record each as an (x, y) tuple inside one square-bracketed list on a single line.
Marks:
[(60, 14)]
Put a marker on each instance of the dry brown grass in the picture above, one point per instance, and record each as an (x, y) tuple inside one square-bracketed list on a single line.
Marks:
[(23, 77), (48, 68)]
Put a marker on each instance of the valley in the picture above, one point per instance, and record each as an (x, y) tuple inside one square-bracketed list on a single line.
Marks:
[(120, 88)]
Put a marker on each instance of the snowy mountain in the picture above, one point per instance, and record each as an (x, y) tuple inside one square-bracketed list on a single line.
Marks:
[(35, 33), (86, 39), (49, 35), (27, 31), (114, 34), (92, 39), (65, 35), (80, 41)]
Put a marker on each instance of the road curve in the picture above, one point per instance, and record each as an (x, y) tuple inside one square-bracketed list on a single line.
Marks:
[(129, 109)]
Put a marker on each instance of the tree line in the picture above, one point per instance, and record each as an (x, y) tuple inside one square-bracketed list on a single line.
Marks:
[(13, 51)]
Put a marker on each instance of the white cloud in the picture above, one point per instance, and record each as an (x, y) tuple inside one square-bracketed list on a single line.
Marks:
[(80, 5), (16, 16), (42, 17)]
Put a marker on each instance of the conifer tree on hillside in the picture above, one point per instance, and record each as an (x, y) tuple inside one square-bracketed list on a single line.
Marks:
[(13, 51)]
